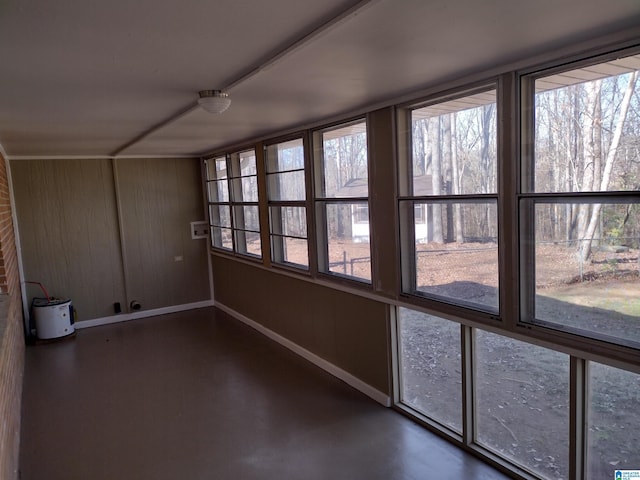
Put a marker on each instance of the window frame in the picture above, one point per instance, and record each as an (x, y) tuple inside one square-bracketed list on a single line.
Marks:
[(212, 178), (407, 201), (527, 198), (321, 201), (236, 203), (276, 240)]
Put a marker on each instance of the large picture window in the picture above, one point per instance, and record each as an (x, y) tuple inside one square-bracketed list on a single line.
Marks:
[(579, 206), (431, 366), (522, 403), (449, 200), (287, 208), (516, 395), (614, 423), (342, 200)]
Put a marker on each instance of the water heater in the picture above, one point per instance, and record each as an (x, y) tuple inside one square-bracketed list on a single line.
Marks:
[(53, 317)]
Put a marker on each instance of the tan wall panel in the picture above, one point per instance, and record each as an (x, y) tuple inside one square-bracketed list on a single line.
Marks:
[(347, 330), (158, 200), (69, 231), (382, 200)]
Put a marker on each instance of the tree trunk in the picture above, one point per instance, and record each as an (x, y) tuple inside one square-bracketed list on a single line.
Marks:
[(589, 126), (487, 172), (436, 176), (585, 249), (447, 167), (456, 178), (419, 155)]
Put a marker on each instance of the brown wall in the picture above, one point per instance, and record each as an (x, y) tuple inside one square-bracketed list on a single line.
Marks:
[(11, 337), (159, 198), (348, 331), (69, 232), (70, 227)]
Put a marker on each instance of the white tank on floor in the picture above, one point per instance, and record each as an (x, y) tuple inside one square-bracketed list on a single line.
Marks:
[(53, 318)]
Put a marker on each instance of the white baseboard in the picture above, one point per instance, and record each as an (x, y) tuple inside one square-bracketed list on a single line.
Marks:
[(346, 377), (125, 317)]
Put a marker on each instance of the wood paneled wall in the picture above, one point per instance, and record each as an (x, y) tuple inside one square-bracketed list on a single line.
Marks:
[(69, 232), (70, 216), (158, 199), (349, 331)]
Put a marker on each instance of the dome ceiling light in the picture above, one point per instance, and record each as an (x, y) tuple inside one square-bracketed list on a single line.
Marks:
[(214, 101)]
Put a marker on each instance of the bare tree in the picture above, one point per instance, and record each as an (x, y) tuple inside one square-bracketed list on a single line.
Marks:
[(436, 176), (587, 240), (456, 175), (591, 123)]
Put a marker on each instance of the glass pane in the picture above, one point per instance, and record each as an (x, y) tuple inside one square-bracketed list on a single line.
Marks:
[(249, 189), (216, 168), (345, 169), (246, 217), (586, 124), (247, 163), (252, 245), (221, 238), (456, 252), (220, 215), (522, 403), (287, 186), (430, 362), (218, 191), (289, 221), (586, 268), (348, 242), (296, 251), (454, 146), (221, 167), (285, 156), (614, 421), (290, 250)]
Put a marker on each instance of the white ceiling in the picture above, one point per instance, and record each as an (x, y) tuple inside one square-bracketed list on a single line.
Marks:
[(98, 78)]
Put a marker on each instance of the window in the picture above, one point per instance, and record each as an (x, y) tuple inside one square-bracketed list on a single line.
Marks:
[(534, 392), (613, 420), (431, 367), (449, 200), (579, 205), (287, 207), (342, 201), (522, 403), (232, 187), (219, 203), (570, 213), (517, 393)]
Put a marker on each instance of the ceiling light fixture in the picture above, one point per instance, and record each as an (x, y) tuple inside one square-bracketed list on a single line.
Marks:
[(214, 101)]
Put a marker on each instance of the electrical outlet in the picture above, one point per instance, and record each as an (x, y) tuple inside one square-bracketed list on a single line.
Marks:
[(199, 230)]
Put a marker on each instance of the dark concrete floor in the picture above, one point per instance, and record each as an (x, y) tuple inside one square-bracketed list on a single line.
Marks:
[(198, 395)]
